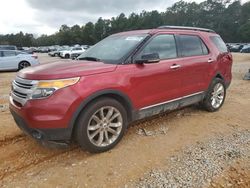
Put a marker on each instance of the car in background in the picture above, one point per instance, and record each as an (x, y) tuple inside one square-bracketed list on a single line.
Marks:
[(52, 53), (236, 47), (57, 52), (67, 53), (77, 54), (245, 49), (16, 60), (26, 49), (8, 47)]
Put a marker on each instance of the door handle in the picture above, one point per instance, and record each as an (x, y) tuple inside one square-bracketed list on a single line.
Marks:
[(210, 60), (175, 66)]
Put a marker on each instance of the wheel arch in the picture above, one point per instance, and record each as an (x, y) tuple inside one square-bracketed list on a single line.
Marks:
[(22, 61), (115, 94), (218, 75)]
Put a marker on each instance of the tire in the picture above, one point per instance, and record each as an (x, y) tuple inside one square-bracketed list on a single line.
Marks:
[(23, 64), (96, 134), (67, 56), (215, 96)]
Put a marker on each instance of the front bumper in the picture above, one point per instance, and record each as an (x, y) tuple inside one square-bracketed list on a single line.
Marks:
[(49, 119), (59, 137)]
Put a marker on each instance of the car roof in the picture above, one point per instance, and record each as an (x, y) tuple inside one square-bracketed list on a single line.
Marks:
[(174, 29)]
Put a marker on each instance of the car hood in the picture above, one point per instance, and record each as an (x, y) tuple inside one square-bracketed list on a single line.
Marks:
[(66, 69)]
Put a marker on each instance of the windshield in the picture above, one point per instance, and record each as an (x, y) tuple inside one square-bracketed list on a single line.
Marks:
[(113, 48)]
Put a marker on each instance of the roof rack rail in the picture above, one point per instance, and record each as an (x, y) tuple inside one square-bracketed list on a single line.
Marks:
[(186, 28)]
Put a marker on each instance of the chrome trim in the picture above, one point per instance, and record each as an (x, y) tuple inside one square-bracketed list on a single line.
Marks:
[(22, 89), (175, 66), (18, 99), (166, 102), (210, 60)]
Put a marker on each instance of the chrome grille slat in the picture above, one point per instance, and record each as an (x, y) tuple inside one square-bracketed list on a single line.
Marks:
[(21, 89), (19, 95), (22, 85)]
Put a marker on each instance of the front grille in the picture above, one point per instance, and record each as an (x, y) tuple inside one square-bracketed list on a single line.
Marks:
[(22, 89)]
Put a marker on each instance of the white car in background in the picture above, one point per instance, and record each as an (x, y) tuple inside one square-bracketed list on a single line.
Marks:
[(67, 53), (16, 60)]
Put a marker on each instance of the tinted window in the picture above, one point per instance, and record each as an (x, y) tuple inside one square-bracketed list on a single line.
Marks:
[(164, 45), (192, 46), (9, 53), (219, 43), (7, 47)]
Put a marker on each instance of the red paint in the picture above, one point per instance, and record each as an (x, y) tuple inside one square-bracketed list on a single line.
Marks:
[(144, 85)]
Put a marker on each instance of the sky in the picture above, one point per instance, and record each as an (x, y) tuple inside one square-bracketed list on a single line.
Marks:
[(46, 16)]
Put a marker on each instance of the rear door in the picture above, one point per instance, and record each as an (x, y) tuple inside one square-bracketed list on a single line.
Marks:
[(195, 61), (9, 59)]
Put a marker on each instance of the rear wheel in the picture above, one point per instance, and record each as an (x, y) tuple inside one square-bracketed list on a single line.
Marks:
[(101, 125), (215, 96), (23, 65)]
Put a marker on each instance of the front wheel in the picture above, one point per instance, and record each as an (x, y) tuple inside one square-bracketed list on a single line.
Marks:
[(215, 96), (101, 125)]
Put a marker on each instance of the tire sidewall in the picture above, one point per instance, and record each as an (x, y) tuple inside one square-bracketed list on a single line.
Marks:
[(82, 124), (19, 65), (207, 101)]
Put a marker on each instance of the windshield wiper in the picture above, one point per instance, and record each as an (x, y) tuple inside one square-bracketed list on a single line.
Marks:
[(89, 58)]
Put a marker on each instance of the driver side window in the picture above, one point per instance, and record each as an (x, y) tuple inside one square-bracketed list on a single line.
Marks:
[(163, 45)]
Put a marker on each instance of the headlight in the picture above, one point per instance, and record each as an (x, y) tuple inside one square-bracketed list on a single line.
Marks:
[(46, 88)]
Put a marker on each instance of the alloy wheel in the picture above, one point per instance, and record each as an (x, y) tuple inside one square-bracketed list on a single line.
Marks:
[(218, 95), (104, 126)]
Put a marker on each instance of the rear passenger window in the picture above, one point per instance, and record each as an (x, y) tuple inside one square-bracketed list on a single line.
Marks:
[(191, 45), (164, 45), (9, 53), (219, 43)]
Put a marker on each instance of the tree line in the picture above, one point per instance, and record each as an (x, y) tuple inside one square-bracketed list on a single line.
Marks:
[(230, 19)]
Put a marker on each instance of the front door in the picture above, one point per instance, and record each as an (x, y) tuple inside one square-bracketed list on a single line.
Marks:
[(157, 83)]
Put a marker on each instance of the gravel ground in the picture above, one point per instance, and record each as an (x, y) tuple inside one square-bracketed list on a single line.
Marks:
[(197, 165)]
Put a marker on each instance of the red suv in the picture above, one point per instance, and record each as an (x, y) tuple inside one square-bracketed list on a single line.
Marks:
[(125, 77)]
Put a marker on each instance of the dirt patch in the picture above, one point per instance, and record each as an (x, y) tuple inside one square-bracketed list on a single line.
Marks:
[(237, 176)]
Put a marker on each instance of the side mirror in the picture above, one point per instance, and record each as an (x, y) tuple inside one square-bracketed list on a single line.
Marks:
[(148, 58)]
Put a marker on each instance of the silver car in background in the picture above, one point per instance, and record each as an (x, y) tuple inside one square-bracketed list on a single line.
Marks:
[(16, 60)]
